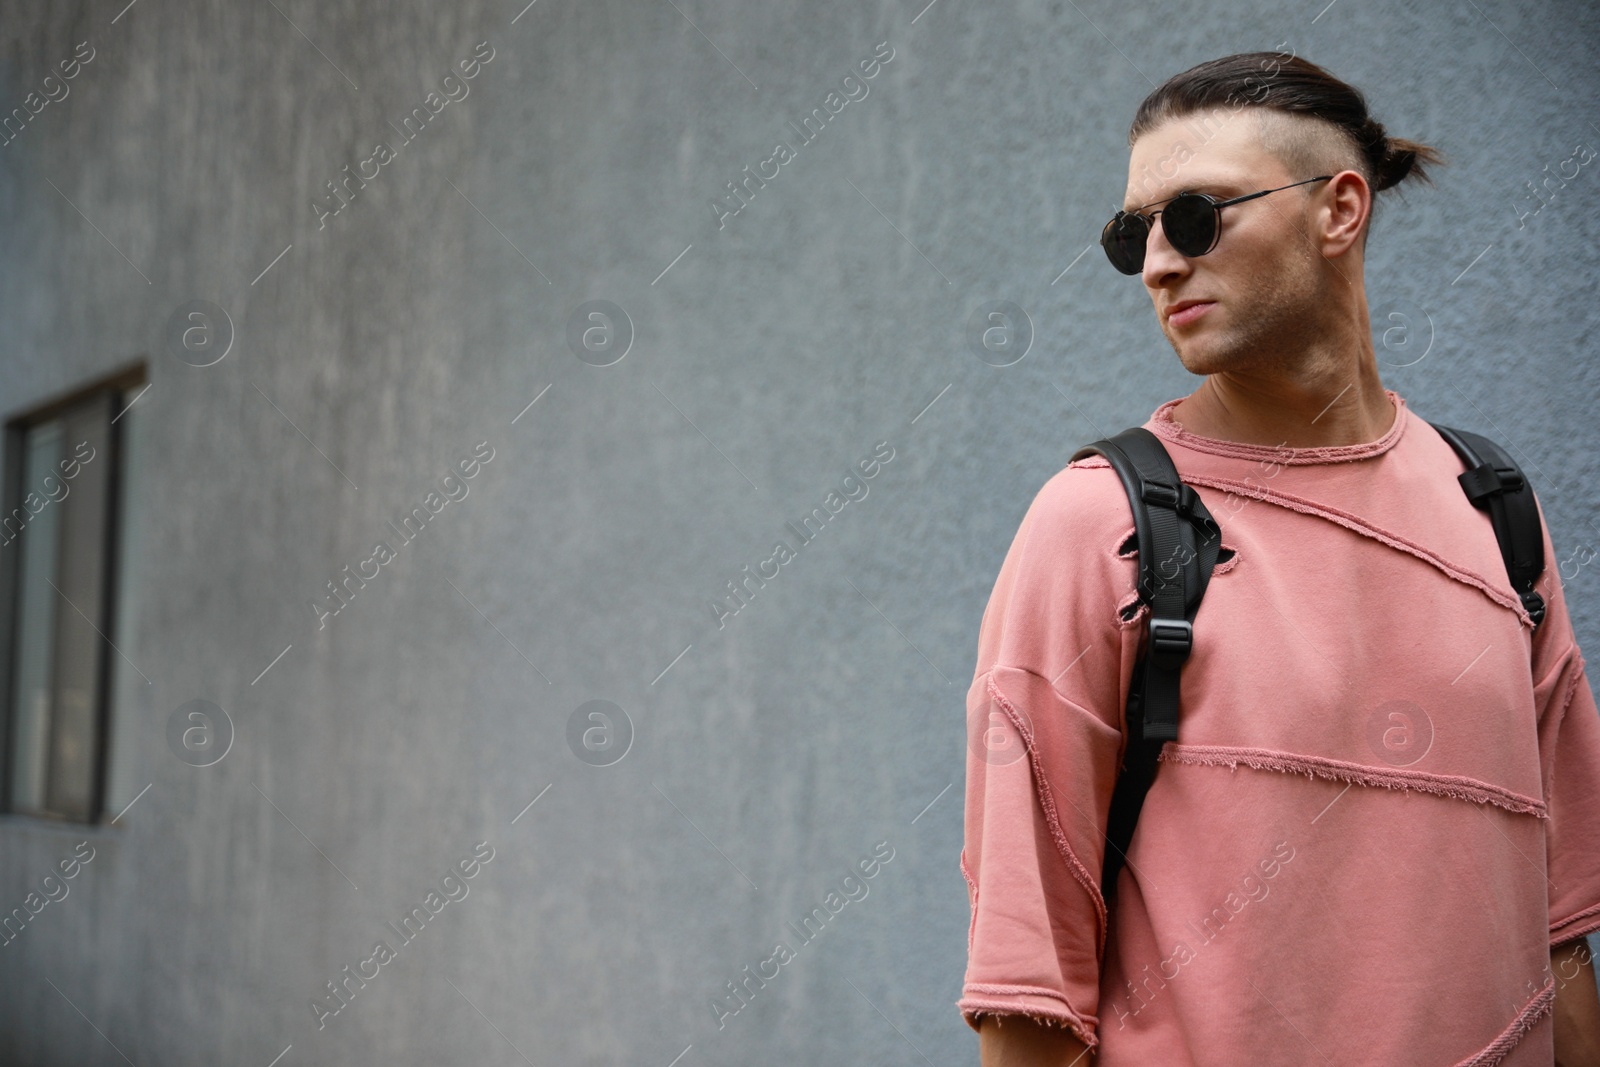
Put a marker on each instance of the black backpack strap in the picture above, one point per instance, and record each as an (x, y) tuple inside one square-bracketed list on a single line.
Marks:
[(1178, 542), (1494, 483)]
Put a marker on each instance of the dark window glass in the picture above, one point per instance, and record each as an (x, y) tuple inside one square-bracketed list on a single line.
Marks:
[(57, 535)]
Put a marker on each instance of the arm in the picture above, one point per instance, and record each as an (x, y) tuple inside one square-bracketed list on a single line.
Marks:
[(1577, 1007), (1018, 1041), (1569, 744), (1044, 733)]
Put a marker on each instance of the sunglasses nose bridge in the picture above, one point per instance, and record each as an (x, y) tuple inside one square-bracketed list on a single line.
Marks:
[(1159, 244)]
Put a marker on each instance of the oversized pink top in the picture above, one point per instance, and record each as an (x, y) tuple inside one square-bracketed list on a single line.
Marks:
[(1384, 806)]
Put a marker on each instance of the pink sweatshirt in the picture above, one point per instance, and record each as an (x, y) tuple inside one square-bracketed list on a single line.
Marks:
[(1384, 806)]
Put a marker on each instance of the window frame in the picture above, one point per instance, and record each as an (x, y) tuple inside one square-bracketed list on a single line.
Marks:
[(13, 437)]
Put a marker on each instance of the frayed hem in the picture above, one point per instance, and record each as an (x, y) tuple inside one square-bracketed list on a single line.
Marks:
[(1583, 923), (974, 1009), (1530, 1015)]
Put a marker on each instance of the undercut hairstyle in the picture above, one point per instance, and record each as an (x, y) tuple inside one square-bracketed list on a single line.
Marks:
[(1309, 120)]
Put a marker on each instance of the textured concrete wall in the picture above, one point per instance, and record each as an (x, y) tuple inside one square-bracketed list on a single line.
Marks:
[(822, 325)]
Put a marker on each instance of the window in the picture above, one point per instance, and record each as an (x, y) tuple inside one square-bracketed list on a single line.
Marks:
[(57, 568)]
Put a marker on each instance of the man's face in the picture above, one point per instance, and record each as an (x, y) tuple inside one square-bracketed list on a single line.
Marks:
[(1263, 276)]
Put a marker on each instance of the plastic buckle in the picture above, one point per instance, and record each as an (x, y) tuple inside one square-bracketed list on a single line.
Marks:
[(1534, 603), (1486, 480), (1510, 479), (1170, 642), (1179, 498)]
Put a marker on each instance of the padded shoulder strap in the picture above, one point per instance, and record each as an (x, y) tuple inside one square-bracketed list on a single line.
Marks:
[(1178, 543), (1494, 483)]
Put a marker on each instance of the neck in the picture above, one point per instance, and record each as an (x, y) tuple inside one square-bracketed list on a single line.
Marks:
[(1311, 410)]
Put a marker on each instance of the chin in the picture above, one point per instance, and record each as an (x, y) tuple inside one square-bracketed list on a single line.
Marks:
[(1196, 359)]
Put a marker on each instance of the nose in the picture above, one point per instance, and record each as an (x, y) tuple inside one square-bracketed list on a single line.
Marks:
[(1162, 262)]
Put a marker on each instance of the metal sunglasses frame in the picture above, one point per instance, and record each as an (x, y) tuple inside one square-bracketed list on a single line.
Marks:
[(1149, 220)]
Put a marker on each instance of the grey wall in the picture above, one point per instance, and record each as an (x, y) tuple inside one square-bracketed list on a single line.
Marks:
[(824, 718)]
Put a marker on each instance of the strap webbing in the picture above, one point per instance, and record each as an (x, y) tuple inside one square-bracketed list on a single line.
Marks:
[(1178, 543), (1494, 483)]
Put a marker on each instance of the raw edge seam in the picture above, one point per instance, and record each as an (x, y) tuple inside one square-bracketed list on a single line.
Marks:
[(1268, 760)]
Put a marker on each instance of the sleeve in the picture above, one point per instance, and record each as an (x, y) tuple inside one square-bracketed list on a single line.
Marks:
[(1569, 747), (1044, 730)]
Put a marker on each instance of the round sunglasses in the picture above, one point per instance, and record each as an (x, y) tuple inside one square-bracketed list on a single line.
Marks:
[(1192, 223)]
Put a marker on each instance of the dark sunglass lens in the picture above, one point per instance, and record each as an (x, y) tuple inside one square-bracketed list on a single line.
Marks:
[(1124, 240), (1190, 224)]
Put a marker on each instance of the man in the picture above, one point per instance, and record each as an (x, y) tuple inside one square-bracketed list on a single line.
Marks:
[(1377, 839)]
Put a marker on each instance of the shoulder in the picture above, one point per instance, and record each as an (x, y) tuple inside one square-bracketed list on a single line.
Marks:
[(1065, 584), (1069, 548), (1085, 502)]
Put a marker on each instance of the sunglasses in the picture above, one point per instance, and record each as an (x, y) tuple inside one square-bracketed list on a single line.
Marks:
[(1192, 224)]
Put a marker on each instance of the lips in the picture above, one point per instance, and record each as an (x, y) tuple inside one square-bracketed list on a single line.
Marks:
[(1186, 311)]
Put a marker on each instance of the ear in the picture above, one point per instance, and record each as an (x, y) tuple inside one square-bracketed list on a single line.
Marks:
[(1346, 205)]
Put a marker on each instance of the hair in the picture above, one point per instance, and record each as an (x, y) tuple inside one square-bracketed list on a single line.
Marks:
[(1309, 120)]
